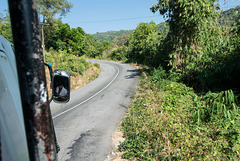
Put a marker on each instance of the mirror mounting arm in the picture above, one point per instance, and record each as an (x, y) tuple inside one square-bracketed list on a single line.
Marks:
[(50, 70), (51, 77)]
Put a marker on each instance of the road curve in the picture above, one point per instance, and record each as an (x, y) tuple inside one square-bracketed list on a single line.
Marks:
[(84, 126)]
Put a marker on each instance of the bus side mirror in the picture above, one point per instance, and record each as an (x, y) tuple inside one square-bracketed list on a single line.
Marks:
[(61, 86)]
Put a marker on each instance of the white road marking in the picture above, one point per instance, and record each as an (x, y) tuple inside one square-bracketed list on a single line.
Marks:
[(89, 97)]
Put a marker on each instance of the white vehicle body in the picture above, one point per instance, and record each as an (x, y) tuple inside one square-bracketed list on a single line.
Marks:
[(13, 143)]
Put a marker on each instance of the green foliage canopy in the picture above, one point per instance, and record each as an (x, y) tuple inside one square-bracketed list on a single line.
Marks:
[(185, 18), (49, 8), (144, 43), (68, 39)]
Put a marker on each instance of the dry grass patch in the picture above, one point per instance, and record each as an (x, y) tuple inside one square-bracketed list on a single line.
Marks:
[(87, 76)]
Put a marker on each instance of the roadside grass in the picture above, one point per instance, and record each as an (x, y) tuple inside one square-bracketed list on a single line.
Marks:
[(81, 71), (168, 121)]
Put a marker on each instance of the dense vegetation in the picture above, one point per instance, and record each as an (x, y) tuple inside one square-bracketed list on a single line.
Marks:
[(169, 121), (62, 60), (187, 105)]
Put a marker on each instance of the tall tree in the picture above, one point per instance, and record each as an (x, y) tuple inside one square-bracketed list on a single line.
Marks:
[(48, 9), (90, 46), (143, 42), (71, 40), (63, 37), (185, 18), (50, 31)]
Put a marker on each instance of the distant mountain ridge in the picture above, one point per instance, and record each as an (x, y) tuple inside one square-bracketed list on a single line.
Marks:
[(226, 18), (110, 35)]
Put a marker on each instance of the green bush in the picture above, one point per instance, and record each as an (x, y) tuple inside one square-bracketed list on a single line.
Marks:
[(171, 122), (119, 53), (81, 68), (158, 75), (144, 45), (72, 63), (96, 65)]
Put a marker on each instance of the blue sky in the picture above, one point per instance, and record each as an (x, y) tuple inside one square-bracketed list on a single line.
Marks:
[(106, 15)]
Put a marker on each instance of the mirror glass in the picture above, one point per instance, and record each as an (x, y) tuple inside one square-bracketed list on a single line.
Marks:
[(61, 86)]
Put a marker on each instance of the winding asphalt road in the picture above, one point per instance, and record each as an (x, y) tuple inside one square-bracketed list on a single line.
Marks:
[(84, 126)]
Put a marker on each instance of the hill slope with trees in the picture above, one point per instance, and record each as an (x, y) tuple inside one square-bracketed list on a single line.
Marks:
[(110, 36), (228, 17)]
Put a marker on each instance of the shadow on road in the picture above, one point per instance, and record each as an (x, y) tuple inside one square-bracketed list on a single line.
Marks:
[(132, 74)]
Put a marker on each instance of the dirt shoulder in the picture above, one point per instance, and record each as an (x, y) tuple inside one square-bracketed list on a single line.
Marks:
[(117, 138)]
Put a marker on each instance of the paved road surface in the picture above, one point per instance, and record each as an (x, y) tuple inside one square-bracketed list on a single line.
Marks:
[(84, 126)]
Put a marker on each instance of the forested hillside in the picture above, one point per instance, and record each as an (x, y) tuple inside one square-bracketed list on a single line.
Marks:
[(110, 36), (113, 36), (228, 17)]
